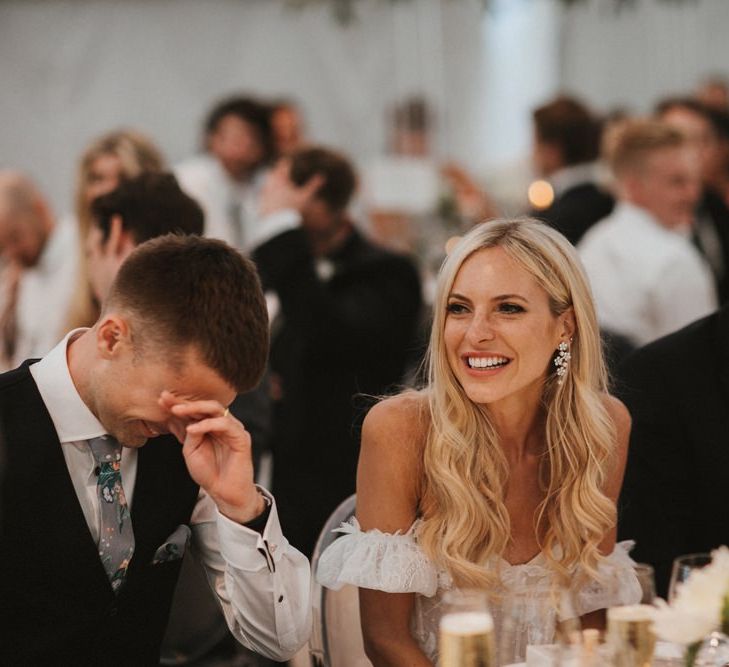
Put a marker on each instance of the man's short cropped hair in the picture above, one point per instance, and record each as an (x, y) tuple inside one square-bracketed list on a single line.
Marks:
[(149, 205), (255, 113), (571, 126), (638, 139), (188, 290), (340, 179)]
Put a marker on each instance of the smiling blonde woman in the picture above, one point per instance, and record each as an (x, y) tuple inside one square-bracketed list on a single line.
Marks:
[(503, 472)]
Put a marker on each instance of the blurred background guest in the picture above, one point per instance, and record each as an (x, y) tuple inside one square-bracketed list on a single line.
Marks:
[(138, 209), (710, 231), (226, 179), (647, 277), (287, 125), (348, 316), (415, 201), (402, 187), (39, 265), (106, 161), (566, 149)]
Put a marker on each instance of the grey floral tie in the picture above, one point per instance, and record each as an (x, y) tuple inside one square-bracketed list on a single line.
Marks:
[(116, 538)]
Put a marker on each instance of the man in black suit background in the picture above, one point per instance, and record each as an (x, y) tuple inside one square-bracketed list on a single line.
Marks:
[(674, 496), (566, 149), (183, 329), (348, 313)]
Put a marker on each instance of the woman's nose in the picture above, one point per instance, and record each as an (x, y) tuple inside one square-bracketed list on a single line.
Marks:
[(481, 329)]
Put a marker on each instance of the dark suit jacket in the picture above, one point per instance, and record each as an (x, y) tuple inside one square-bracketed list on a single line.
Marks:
[(338, 338), (57, 606), (577, 209), (715, 213), (676, 491)]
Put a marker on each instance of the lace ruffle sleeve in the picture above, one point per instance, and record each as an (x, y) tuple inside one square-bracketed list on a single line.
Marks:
[(617, 583), (393, 563)]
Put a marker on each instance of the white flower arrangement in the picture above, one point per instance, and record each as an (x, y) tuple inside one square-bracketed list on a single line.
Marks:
[(701, 604)]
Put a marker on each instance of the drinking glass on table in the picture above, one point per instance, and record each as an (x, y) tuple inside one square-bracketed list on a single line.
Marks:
[(467, 630), (537, 618), (630, 635), (647, 580), (683, 566)]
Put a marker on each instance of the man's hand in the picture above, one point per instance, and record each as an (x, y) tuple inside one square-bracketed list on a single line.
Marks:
[(217, 451), (279, 193)]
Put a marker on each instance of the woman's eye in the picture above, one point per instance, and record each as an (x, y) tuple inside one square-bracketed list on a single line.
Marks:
[(456, 308), (510, 308)]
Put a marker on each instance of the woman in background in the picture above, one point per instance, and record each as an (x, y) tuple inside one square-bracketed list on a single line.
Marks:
[(109, 159), (501, 474)]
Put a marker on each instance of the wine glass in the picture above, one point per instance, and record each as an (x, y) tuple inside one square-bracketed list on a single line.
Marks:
[(647, 580), (683, 566), (537, 618), (466, 630), (713, 652)]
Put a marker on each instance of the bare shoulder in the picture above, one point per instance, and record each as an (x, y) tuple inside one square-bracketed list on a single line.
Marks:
[(389, 475), (403, 418), (619, 415)]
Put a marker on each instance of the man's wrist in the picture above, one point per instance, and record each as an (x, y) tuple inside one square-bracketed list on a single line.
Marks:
[(259, 522), (250, 511)]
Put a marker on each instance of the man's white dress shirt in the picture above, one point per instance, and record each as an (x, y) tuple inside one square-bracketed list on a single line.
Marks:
[(262, 583), (647, 280), (44, 294), (231, 209)]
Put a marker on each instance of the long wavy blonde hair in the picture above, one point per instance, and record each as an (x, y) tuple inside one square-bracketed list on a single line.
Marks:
[(465, 520)]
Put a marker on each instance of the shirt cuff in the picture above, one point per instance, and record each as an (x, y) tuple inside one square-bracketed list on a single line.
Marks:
[(274, 224), (247, 549)]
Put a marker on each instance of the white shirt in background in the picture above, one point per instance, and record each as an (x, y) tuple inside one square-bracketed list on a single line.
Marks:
[(231, 209), (647, 280), (261, 582)]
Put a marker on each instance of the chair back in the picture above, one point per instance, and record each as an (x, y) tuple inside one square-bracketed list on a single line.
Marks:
[(336, 638)]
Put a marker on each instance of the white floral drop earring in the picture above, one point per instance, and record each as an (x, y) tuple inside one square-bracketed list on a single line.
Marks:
[(562, 360)]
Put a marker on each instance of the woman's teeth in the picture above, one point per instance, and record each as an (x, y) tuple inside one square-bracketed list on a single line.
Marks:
[(487, 362)]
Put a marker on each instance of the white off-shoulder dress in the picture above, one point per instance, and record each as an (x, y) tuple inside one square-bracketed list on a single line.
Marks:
[(395, 563)]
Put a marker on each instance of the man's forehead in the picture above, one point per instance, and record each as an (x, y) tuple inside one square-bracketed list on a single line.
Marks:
[(190, 374)]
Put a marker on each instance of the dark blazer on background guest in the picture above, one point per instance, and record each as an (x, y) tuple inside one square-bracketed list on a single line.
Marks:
[(577, 209), (711, 236), (347, 328), (676, 487)]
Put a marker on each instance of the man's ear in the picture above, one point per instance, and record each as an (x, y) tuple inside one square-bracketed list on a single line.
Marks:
[(113, 336)]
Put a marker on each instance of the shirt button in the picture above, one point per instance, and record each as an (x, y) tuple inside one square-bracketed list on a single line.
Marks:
[(273, 547)]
